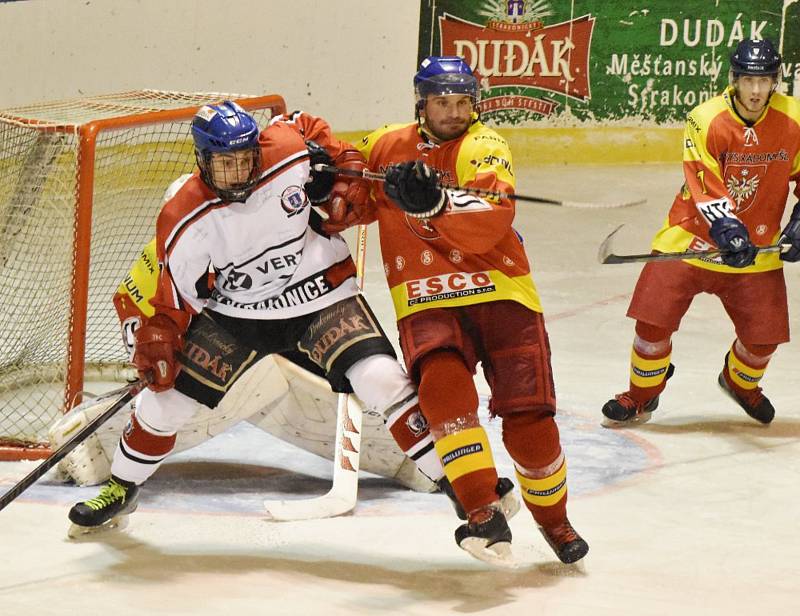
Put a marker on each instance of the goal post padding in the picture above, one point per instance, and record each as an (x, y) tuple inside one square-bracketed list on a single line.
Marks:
[(81, 183)]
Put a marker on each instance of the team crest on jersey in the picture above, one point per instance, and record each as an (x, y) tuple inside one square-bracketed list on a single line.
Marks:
[(742, 183), (293, 200), (416, 423), (234, 281)]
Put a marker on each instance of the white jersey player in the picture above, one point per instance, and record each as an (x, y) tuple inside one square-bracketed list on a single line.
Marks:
[(281, 284)]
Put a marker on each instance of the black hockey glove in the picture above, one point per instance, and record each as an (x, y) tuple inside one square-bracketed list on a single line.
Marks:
[(414, 186), (731, 236), (319, 185), (791, 234)]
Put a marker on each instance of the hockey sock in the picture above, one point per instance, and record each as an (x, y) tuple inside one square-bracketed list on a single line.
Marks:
[(469, 466), (532, 440), (648, 376), (745, 365), (410, 431), (140, 451), (545, 492)]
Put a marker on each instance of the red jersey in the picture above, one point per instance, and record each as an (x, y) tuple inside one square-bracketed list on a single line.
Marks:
[(469, 253), (740, 168)]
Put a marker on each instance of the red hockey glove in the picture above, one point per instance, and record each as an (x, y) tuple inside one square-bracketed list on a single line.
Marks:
[(158, 343), (349, 196)]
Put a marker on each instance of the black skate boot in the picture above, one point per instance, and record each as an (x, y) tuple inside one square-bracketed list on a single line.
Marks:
[(108, 510), (753, 401), (486, 536), (623, 409), (509, 503), (568, 545)]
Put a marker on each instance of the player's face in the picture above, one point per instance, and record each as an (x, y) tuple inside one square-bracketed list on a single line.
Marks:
[(447, 117), (752, 93), (231, 169)]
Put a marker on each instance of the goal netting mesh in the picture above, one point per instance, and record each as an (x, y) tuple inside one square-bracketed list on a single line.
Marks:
[(81, 183)]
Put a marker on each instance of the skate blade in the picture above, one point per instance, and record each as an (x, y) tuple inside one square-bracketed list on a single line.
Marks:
[(509, 505), (498, 554), (630, 423), (78, 532)]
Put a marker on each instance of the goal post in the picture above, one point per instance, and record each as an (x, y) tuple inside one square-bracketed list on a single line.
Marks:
[(81, 184)]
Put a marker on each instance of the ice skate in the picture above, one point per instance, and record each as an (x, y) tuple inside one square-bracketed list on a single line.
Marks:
[(568, 545), (753, 401), (509, 503), (623, 410), (487, 537), (108, 511)]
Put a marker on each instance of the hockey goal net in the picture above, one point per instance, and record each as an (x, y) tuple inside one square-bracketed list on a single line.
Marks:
[(81, 183)]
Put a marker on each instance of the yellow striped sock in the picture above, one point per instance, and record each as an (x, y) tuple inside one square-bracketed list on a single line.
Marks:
[(464, 452), (741, 374), (545, 491), (648, 372)]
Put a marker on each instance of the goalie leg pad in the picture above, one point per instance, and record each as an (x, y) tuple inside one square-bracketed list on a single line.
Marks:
[(90, 462)]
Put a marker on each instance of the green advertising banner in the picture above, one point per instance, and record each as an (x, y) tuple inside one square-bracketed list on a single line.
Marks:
[(589, 62)]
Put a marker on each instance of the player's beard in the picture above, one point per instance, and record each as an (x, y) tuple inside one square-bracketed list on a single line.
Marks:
[(452, 129)]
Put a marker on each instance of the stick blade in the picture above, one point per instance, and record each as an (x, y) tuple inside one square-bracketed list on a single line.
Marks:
[(604, 254), (325, 506)]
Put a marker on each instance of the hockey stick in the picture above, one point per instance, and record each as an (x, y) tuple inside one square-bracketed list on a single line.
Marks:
[(126, 394), (380, 177), (343, 495), (605, 256)]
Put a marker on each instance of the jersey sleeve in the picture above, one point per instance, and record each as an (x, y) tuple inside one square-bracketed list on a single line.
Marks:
[(473, 223), (183, 264), (312, 128)]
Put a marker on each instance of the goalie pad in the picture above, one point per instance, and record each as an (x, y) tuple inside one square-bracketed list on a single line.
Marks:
[(275, 395)]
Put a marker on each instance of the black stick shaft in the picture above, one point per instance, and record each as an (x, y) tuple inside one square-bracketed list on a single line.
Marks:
[(380, 177), (128, 392), (689, 254)]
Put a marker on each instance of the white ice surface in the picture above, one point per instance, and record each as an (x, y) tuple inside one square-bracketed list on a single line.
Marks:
[(695, 512)]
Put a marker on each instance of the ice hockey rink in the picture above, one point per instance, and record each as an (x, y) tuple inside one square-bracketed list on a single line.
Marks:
[(695, 512)]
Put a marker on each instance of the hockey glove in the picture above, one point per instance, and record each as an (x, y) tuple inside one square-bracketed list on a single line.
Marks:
[(791, 235), (732, 238), (414, 186), (320, 183), (349, 199), (158, 344)]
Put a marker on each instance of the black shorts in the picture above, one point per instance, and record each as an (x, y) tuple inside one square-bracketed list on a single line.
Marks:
[(219, 348)]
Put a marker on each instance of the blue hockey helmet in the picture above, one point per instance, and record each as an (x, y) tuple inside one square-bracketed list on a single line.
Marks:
[(755, 58), (443, 75), (226, 128)]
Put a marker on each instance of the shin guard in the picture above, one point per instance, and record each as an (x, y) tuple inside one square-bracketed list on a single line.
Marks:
[(545, 492), (648, 375), (140, 451), (744, 368), (469, 466), (410, 430)]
